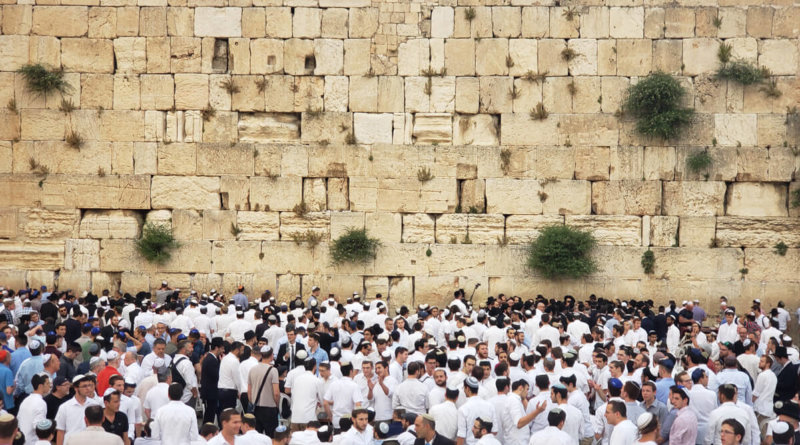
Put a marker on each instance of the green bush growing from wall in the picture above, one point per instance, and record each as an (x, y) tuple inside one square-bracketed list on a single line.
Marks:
[(655, 102), (562, 252)]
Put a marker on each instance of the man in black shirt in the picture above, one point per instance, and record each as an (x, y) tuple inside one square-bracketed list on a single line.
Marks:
[(59, 395), (114, 422)]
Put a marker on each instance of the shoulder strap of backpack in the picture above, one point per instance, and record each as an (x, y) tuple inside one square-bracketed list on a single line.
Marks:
[(261, 387)]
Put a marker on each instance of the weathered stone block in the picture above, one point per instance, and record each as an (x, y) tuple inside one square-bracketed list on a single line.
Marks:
[(87, 55), (306, 23), (609, 230), (430, 128), (757, 232), (521, 229), (486, 229), (46, 224), (513, 196), (697, 231), (626, 22), (626, 197), (418, 228), (592, 163), (32, 255), (185, 192), (269, 127), (451, 228), (492, 61), (519, 129), (442, 22), (279, 194), (82, 254), (664, 231), (373, 128), (690, 198), (699, 56), (566, 197), (110, 224), (756, 199), (94, 192), (61, 21), (218, 22)]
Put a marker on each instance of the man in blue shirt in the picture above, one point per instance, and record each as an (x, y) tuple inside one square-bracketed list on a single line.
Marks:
[(29, 368), (665, 380), (240, 299), (6, 380), (20, 354)]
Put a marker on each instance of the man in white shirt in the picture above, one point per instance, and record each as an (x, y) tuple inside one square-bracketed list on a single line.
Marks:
[(573, 423), (34, 409), (763, 393), (231, 385), (158, 396), (159, 348), (343, 397), (249, 434), (183, 365), (473, 408), (516, 422), (552, 434), (382, 392), (306, 395), (445, 415), (70, 416), (175, 423), (412, 394), (546, 332), (361, 432), (727, 409), (625, 432)]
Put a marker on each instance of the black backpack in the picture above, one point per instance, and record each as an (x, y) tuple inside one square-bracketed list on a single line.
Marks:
[(176, 375)]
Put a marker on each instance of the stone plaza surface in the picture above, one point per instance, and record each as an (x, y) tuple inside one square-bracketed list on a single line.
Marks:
[(342, 104)]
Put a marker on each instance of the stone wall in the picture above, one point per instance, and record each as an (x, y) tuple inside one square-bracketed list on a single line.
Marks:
[(220, 117)]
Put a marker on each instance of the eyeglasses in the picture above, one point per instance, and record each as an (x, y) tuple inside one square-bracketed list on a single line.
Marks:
[(726, 432)]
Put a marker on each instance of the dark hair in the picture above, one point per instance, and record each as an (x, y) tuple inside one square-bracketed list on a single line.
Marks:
[(728, 391), (208, 428), (484, 424), (175, 391), (632, 390), (560, 390), (107, 397), (39, 379), (310, 363), (618, 406), (451, 394), (521, 382), (226, 414), (415, 367), (9, 428), (556, 416), (94, 414), (501, 383), (675, 389), (738, 429), (159, 341), (542, 381)]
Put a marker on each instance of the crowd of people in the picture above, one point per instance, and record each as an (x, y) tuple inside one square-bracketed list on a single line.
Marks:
[(179, 368)]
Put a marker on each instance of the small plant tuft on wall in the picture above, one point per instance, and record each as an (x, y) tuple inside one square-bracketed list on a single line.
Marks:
[(42, 81), (795, 198), (470, 14), (655, 102), (648, 261), (699, 161), (424, 175), (562, 252), (781, 248), (742, 72), (539, 112), (156, 243), (354, 246)]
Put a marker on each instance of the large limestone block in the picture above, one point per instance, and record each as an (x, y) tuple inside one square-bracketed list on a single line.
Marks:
[(519, 129), (780, 56), (47, 224), (659, 163), (586, 129), (32, 254), (219, 224), (177, 159), (282, 257), (263, 226), (566, 197), (87, 55), (363, 193), (418, 228), (442, 22), (413, 57), (735, 129), (485, 229), (437, 195), (492, 60), (451, 228), (363, 22), (595, 22), (479, 129), (626, 197), (61, 21), (664, 231), (221, 159), (218, 22), (15, 279), (626, 22), (765, 265), (387, 227), (236, 256), (36, 125), (723, 168), (592, 163), (433, 128), (495, 94), (82, 254), (329, 56), (460, 57), (473, 194), (76, 280), (95, 192), (185, 192), (634, 57), (697, 231), (468, 260), (513, 196), (757, 232), (691, 198), (315, 194), (187, 224), (338, 195), (110, 224), (278, 194), (8, 223), (699, 56), (14, 50), (343, 221), (269, 127), (611, 230), (370, 128), (756, 199), (21, 190)]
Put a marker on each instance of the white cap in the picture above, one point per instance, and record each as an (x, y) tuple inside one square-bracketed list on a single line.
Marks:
[(779, 426), (109, 390), (112, 355)]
